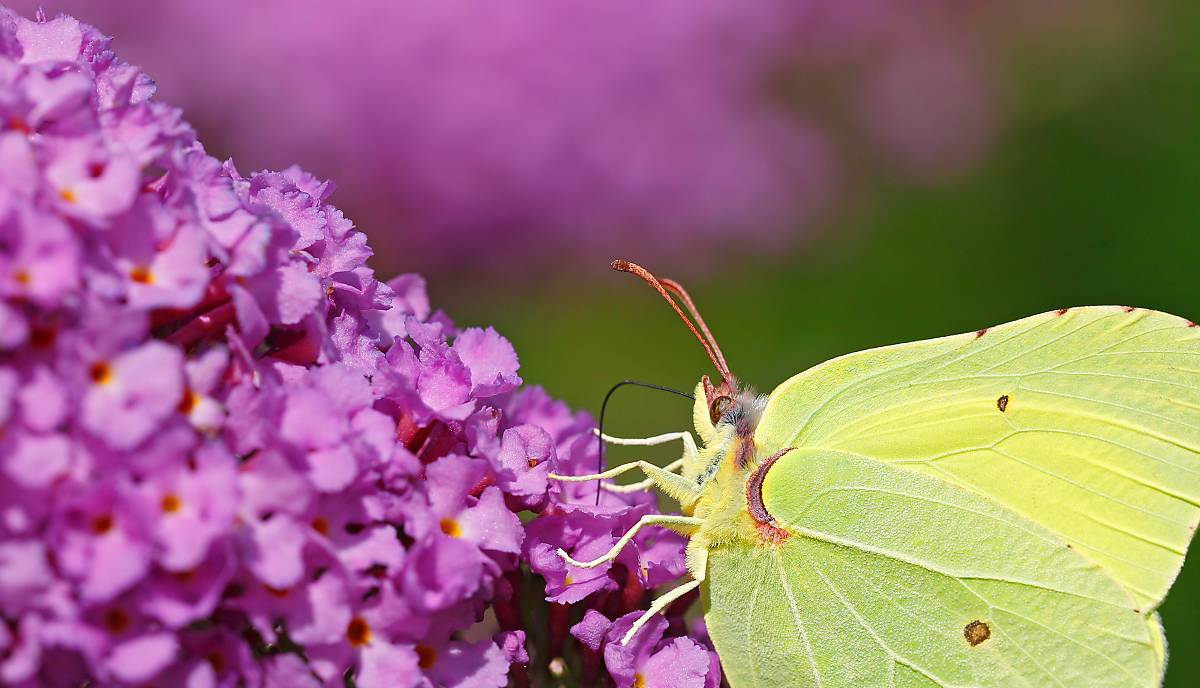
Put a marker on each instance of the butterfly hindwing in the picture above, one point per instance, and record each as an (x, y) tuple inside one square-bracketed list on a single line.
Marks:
[(893, 578)]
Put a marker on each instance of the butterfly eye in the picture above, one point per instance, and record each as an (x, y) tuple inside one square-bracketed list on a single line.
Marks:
[(718, 407)]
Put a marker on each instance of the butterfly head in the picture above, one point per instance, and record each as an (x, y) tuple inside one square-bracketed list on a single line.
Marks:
[(732, 408), (725, 418)]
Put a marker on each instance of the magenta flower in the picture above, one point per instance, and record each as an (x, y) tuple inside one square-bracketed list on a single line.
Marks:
[(122, 405), (232, 457), (648, 660), (521, 463)]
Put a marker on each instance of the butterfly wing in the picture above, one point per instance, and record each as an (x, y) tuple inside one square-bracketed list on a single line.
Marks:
[(893, 578), (1085, 421)]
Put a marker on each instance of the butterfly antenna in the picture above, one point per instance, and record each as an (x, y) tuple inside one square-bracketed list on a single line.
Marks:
[(714, 354), (678, 290), (600, 427)]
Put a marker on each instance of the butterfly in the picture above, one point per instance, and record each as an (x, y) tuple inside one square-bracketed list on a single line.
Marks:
[(1006, 507)]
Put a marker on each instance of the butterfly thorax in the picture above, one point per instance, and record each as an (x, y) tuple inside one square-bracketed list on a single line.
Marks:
[(725, 466)]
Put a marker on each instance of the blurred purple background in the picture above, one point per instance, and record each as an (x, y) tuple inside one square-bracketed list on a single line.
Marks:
[(529, 135)]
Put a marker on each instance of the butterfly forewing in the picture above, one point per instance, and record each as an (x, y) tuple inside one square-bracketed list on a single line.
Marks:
[(1085, 421)]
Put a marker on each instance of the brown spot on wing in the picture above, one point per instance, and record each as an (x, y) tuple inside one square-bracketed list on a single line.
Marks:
[(1061, 311), (1129, 309), (976, 632), (1002, 403), (980, 333)]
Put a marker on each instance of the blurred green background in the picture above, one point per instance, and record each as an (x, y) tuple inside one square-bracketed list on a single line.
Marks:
[(1093, 200)]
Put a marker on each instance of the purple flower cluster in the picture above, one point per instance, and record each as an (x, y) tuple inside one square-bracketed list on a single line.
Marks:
[(535, 132), (229, 456)]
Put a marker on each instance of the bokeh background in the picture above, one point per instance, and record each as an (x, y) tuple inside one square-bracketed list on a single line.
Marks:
[(825, 177)]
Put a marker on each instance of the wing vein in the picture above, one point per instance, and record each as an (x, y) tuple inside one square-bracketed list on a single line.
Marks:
[(849, 606), (929, 566), (791, 598)]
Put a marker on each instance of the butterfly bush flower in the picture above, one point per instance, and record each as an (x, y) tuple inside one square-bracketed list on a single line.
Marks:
[(649, 659), (229, 455), (536, 133)]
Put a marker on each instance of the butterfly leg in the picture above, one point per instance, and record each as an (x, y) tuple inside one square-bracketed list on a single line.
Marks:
[(659, 605), (673, 484), (680, 524), (697, 556), (689, 453), (641, 484), (697, 563), (689, 443)]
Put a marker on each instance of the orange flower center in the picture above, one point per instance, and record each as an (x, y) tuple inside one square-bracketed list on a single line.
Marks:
[(142, 275), (450, 527), (171, 503), (188, 402), (101, 373), (358, 632)]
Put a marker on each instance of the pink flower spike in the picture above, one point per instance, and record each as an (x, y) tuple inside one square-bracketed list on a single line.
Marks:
[(232, 456)]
